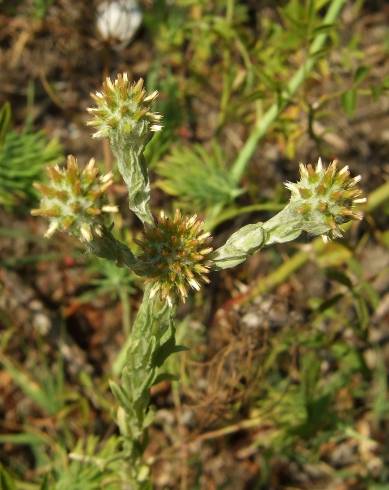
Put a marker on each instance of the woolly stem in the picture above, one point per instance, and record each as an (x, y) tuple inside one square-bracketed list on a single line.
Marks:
[(107, 247), (285, 226), (133, 169), (150, 343)]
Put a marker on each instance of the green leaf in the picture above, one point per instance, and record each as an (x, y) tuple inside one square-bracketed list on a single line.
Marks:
[(45, 484), (120, 395), (324, 28), (23, 438), (6, 481), (339, 276), (47, 393), (362, 311), (41, 7), (360, 74), (325, 305), (166, 350), (198, 177), (349, 101), (23, 157), (5, 121), (310, 376), (370, 294)]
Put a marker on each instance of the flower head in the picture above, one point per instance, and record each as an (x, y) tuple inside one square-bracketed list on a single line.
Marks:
[(124, 108), (326, 198), (175, 256), (118, 21), (73, 199)]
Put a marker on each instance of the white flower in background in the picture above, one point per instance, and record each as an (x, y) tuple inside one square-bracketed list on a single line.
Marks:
[(118, 20)]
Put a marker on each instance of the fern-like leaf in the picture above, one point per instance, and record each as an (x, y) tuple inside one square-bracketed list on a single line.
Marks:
[(22, 159), (197, 177)]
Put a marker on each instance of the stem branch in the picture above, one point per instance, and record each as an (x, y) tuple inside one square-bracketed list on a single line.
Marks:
[(266, 284)]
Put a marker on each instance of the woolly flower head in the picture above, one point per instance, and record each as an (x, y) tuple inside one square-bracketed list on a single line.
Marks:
[(175, 256), (124, 109), (326, 198), (73, 199)]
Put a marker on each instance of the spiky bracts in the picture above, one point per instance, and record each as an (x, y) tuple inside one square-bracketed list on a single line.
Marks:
[(326, 198), (175, 256), (124, 107), (73, 199)]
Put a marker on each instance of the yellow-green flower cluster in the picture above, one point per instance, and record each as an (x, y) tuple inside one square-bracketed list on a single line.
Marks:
[(124, 108), (174, 256), (326, 198), (73, 201)]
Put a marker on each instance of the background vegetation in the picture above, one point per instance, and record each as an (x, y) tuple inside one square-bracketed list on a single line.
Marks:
[(285, 385)]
